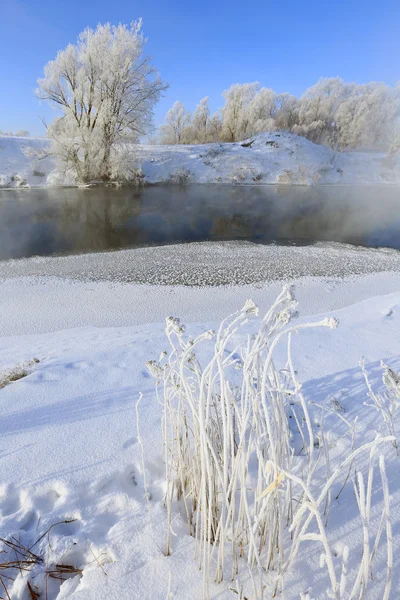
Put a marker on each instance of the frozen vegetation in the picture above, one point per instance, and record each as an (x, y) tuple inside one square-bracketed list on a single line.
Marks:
[(341, 115), (104, 89)]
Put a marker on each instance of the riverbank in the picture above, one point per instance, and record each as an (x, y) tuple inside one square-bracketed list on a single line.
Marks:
[(272, 158)]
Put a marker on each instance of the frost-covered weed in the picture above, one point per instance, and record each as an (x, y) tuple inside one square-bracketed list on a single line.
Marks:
[(239, 175), (243, 457), (18, 372), (215, 151), (388, 402)]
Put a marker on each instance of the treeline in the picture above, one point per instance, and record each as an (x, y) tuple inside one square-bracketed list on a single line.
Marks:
[(19, 133), (344, 116)]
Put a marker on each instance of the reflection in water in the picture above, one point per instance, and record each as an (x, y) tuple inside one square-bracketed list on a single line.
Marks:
[(50, 221)]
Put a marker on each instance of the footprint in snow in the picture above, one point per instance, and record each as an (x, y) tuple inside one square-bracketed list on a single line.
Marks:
[(10, 500)]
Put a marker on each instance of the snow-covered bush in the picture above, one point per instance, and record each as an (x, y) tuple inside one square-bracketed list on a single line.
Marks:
[(251, 470), (180, 177), (215, 151), (240, 174), (106, 89), (18, 180), (4, 181), (17, 372)]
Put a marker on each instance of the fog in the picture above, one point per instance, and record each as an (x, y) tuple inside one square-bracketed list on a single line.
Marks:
[(71, 220)]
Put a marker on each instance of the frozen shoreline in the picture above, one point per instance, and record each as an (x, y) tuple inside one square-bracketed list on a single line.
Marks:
[(197, 282), (209, 264)]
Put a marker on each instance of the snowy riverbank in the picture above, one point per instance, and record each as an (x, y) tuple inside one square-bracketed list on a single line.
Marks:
[(69, 441), (70, 447), (273, 158)]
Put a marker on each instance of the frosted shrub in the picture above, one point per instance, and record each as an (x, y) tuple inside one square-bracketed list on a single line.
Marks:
[(17, 372), (180, 177), (388, 402), (242, 456)]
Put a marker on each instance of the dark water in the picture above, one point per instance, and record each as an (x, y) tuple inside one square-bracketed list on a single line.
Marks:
[(70, 220)]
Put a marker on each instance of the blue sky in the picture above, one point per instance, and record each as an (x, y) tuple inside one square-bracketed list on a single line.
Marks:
[(201, 48)]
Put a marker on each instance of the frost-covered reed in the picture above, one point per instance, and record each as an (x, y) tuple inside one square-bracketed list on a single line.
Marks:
[(241, 455)]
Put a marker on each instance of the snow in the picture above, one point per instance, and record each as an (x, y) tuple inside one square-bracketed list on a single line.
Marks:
[(204, 263), (16, 169), (69, 445), (273, 158)]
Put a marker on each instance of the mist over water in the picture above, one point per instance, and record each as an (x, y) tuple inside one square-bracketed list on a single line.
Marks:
[(70, 220)]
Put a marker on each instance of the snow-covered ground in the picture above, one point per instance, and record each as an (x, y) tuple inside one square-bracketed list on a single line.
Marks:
[(69, 446), (273, 158), (19, 170)]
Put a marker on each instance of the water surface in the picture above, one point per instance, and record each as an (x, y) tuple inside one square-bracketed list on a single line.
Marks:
[(72, 220)]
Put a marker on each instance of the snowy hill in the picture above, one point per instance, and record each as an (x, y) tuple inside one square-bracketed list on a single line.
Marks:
[(268, 158)]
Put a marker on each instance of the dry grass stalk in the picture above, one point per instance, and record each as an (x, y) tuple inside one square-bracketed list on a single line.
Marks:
[(26, 560), (18, 372)]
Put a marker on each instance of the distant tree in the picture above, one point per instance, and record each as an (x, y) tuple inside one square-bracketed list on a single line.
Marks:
[(175, 128), (394, 137), (19, 133), (106, 89), (236, 122), (261, 111), (394, 147), (342, 115), (317, 108), (215, 128), (200, 122), (367, 116)]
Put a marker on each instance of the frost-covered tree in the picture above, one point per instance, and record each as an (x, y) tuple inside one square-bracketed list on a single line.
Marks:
[(394, 138), (285, 111), (215, 127), (200, 121), (344, 116), (366, 117), (106, 89), (269, 111), (19, 133), (236, 121), (261, 110), (317, 108), (347, 115), (177, 123)]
